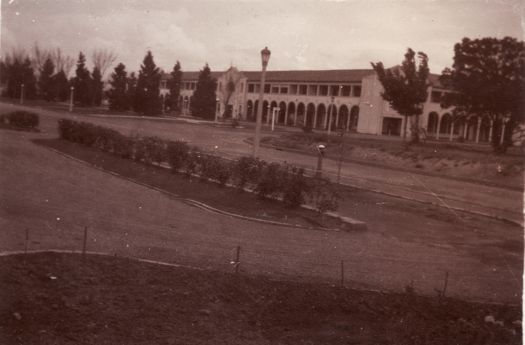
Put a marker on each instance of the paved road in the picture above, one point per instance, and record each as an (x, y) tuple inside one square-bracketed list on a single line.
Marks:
[(445, 192), (55, 197)]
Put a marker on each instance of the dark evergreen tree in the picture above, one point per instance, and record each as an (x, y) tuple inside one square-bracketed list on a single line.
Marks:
[(97, 87), (61, 87), (118, 93), (405, 87), (82, 83), (203, 102), (147, 93), (45, 83), (18, 72), (488, 77), (174, 84), (28, 79), (14, 76)]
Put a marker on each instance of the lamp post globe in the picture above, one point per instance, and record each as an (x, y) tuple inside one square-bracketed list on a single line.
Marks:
[(265, 57), (72, 90)]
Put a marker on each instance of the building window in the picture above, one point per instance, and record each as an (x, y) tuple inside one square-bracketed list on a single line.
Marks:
[(345, 91), (251, 88), (267, 88), (293, 89), (163, 84), (323, 90), (334, 90), (302, 89), (312, 90), (284, 90), (275, 89), (435, 97), (242, 87), (357, 91)]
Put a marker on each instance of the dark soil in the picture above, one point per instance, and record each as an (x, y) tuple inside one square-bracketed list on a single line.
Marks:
[(223, 198), (51, 298)]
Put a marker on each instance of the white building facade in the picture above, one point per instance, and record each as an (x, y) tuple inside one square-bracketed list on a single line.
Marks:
[(351, 99)]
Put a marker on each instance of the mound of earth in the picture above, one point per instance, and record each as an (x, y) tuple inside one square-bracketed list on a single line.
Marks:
[(52, 298)]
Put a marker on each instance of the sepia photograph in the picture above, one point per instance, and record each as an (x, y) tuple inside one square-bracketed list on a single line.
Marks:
[(248, 172)]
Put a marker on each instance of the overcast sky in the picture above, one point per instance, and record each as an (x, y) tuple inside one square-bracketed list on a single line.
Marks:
[(300, 34)]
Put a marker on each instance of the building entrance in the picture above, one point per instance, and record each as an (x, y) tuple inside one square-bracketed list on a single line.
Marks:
[(391, 126)]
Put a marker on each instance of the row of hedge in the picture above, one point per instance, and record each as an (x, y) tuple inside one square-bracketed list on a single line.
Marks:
[(268, 180), (20, 119)]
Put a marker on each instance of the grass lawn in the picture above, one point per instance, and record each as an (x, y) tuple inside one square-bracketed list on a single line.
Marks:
[(60, 299), (223, 198), (471, 162)]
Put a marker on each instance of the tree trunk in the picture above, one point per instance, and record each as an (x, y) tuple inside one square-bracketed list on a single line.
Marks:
[(415, 135), (405, 129)]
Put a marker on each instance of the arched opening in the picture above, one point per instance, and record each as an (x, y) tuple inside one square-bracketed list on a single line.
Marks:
[(459, 126), (291, 114), (282, 113), (332, 114), (354, 117), (249, 110), (432, 123), (472, 128), (310, 112), (255, 110), (321, 113), (265, 110), (445, 124), (484, 131), (185, 105), (300, 114), (343, 117)]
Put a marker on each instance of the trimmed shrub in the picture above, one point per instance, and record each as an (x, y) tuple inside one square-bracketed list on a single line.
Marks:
[(215, 168), (324, 195), (295, 187), (177, 154), (270, 181), (22, 119), (192, 162), (246, 170)]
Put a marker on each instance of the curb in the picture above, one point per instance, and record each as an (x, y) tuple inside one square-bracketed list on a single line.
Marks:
[(352, 223)]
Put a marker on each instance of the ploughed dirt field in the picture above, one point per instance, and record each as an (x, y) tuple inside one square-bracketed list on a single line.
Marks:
[(52, 298)]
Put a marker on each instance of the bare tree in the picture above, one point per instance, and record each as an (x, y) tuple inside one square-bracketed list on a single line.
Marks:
[(39, 57), (61, 61), (102, 59)]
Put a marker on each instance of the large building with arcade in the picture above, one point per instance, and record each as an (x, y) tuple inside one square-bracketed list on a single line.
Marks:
[(350, 98)]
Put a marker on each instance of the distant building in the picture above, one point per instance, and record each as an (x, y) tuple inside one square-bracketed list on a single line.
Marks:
[(352, 98)]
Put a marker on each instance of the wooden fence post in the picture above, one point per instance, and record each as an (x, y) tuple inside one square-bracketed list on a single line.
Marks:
[(85, 241), (342, 273), (237, 257)]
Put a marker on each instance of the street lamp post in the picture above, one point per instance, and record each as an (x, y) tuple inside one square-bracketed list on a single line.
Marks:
[(22, 94), (265, 57), (72, 90), (320, 154), (329, 130), (217, 108)]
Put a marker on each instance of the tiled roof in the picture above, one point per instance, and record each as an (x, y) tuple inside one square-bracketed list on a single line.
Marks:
[(298, 76), (328, 76)]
